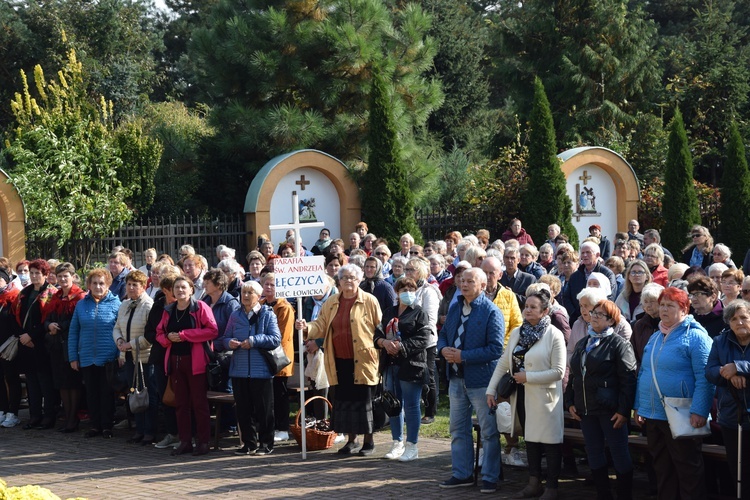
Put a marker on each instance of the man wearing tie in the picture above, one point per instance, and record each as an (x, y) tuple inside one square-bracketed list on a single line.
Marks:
[(471, 341)]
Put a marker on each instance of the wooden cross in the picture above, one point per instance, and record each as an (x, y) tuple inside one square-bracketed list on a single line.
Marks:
[(296, 225), (585, 177), (302, 183)]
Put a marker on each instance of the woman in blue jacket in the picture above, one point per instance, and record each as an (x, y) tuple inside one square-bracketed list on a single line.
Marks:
[(677, 355), (91, 346), (729, 368), (249, 329)]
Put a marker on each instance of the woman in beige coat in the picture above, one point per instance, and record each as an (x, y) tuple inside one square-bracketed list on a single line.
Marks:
[(128, 335), (346, 324), (536, 353)]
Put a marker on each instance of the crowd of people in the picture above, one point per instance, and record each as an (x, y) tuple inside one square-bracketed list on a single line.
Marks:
[(593, 337)]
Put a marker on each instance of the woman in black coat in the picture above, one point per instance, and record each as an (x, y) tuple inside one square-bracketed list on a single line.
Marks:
[(600, 395), (404, 334)]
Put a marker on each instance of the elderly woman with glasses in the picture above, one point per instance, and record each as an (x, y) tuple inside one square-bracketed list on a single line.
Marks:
[(729, 367), (637, 275), (536, 358), (676, 358), (706, 307), (653, 255), (722, 254), (600, 395), (234, 273), (731, 284), (699, 251), (346, 325), (383, 254)]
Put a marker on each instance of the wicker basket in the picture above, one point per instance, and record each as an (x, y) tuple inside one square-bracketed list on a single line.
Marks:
[(316, 440)]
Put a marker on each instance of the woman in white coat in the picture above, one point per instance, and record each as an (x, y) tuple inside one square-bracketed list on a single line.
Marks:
[(536, 353)]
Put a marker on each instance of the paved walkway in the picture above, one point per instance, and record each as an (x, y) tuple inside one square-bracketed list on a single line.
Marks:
[(72, 466)]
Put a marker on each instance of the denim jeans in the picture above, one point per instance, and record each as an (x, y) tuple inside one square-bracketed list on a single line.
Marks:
[(598, 432), (409, 393), (463, 401)]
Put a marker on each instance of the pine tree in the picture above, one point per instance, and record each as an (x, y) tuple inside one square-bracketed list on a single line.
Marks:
[(734, 212), (387, 201), (680, 206), (546, 200), (290, 74)]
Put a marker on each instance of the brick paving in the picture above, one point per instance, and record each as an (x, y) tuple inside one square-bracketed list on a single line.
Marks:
[(73, 466)]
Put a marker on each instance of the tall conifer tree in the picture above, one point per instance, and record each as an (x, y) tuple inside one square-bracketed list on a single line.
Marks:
[(387, 201), (546, 200), (680, 206), (735, 194)]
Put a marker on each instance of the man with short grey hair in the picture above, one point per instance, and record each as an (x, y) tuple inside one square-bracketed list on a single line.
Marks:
[(589, 263), (513, 278), (471, 342), (633, 233), (652, 236)]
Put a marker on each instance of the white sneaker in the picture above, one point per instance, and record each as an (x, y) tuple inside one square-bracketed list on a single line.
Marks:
[(10, 420), (339, 439), (396, 450), (122, 424), (410, 453), (280, 436), (516, 458), (167, 442)]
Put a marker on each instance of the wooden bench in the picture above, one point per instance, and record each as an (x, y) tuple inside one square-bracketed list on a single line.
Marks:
[(713, 452), (219, 399)]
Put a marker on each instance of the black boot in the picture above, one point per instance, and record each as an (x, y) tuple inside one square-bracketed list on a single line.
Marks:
[(601, 481), (625, 486)]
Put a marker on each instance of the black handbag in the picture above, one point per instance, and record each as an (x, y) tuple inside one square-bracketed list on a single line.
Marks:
[(276, 358), (213, 370), (387, 401), (507, 386)]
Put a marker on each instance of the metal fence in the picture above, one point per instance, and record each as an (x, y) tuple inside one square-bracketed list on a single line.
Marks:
[(165, 234), (435, 223)]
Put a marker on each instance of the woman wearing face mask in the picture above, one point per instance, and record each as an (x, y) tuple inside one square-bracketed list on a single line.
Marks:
[(403, 335), (22, 273)]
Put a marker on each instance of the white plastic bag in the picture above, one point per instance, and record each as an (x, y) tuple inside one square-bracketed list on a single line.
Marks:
[(504, 419), (315, 370)]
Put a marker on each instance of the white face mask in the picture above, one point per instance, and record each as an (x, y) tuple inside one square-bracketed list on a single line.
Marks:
[(24, 278), (407, 298)]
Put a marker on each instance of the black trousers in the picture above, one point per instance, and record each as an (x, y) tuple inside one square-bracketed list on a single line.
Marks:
[(254, 400), (730, 444), (43, 398), (430, 392), (100, 397), (678, 463), (280, 404), (10, 400)]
